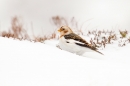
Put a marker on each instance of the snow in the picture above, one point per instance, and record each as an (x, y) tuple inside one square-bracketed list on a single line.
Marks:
[(24, 63)]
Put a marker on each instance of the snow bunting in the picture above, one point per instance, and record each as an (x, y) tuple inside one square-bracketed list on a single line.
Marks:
[(71, 42)]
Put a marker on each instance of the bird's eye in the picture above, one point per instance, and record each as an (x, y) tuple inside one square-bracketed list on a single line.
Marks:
[(63, 29)]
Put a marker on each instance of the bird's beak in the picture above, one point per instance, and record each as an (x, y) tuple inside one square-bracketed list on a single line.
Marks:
[(59, 30)]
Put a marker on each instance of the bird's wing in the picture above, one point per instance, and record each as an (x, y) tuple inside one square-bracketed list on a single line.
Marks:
[(79, 41)]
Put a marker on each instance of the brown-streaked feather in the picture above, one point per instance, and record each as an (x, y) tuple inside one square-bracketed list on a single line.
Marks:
[(91, 47), (78, 38), (75, 37)]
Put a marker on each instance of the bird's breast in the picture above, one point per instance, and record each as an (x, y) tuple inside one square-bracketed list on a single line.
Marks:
[(68, 45)]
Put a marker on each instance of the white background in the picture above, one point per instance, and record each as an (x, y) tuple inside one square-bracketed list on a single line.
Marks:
[(104, 14)]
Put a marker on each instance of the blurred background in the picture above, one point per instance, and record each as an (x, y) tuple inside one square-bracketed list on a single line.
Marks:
[(39, 15)]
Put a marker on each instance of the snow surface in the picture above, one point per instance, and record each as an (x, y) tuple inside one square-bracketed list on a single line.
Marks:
[(24, 63)]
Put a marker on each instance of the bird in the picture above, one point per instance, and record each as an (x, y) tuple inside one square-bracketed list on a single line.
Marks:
[(71, 42)]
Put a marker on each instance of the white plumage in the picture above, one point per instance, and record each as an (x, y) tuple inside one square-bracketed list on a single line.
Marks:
[(73, 43)]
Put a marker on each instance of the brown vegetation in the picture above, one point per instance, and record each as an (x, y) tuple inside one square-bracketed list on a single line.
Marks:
[(17, 31)]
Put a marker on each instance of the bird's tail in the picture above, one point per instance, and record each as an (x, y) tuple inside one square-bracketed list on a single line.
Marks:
[(99, 52)]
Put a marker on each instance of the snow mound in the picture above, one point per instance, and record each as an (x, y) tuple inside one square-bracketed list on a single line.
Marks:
[(23, 63)]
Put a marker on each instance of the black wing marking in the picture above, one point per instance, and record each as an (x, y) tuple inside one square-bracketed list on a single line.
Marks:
[(92, 48), (83, 44), (79, 39), (75, 37)]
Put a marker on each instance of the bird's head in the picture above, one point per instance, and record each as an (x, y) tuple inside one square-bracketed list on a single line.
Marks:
[(64, 30)]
